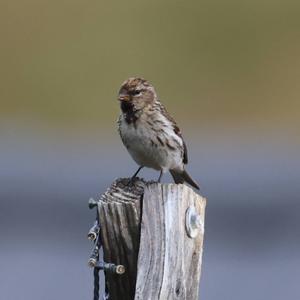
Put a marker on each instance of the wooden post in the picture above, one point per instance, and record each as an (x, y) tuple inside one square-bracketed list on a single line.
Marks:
[(156, 231)]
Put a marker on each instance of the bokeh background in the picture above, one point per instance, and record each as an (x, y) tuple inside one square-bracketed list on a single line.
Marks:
[(228, 71)]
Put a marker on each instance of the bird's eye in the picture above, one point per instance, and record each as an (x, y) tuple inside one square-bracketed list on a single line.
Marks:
[(136, 92)]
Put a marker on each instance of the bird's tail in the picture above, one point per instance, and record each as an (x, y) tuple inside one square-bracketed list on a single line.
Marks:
[(183, 176)]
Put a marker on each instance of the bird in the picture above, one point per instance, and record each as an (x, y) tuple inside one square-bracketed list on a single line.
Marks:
[(150, 134)]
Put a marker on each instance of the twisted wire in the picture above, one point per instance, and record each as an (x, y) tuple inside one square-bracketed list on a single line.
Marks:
[(106, 293), (98, 245), (96, 284)]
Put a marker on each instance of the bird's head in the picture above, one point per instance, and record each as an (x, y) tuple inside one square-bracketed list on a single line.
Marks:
[(136, 93)]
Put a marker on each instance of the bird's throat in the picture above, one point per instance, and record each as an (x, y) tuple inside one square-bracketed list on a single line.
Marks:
[(127, 107), (129, 112)]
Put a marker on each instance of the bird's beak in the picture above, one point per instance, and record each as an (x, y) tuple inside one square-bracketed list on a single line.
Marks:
[(124, 98)]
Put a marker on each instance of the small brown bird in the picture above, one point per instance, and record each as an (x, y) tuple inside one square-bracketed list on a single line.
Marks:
[(149, 133)]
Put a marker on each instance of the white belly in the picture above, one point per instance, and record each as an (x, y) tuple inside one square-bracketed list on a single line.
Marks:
[(145, 149)]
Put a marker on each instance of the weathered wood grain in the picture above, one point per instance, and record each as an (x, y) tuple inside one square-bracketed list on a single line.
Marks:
[(119, 213), (143, 228), (169, 262)]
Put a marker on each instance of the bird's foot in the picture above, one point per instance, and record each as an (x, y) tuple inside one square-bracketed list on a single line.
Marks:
[(160, 176), (132, 179)]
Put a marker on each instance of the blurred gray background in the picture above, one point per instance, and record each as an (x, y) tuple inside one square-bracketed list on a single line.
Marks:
[(228, 71)]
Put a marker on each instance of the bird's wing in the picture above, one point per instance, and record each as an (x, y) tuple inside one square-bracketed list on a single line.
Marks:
[(177, 132)]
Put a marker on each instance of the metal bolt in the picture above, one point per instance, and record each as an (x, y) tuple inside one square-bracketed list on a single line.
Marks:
[(193, 222), (93, 232), (111, 268), (92, 203), (120, 269), (92, 262)]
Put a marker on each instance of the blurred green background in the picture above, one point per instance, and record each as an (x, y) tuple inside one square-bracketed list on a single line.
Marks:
[(234, 62), (228, 71)]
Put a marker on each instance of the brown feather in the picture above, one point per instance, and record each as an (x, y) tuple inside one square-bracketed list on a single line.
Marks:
[(176, 130)]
